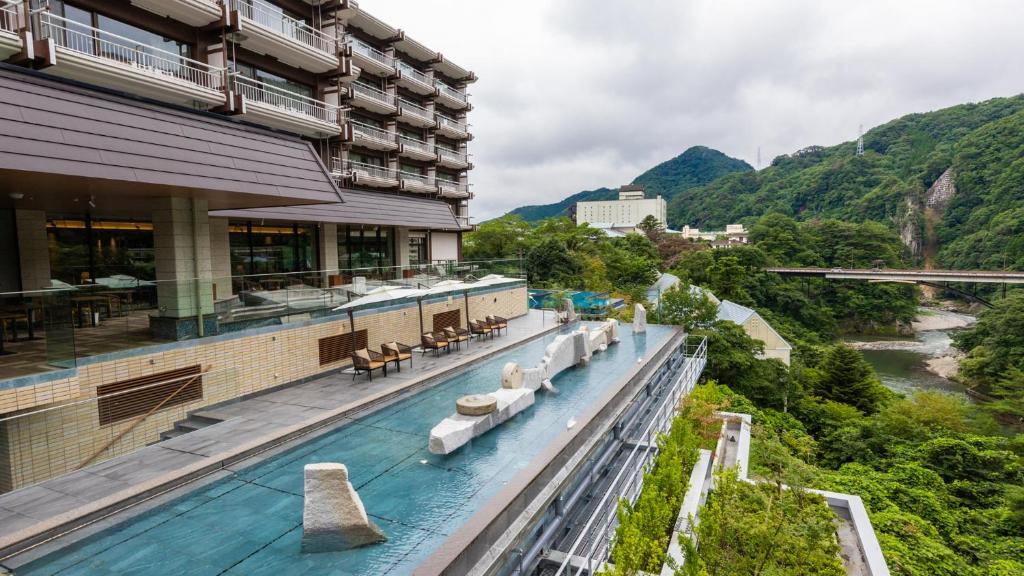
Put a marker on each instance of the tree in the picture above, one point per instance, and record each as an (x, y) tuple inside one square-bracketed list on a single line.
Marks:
[(727, 277), (503, 237), (651, 227), (549, 262), (848, 378), (691, 309)]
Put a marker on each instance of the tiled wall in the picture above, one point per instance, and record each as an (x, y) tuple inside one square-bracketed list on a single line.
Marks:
[(57, 441)]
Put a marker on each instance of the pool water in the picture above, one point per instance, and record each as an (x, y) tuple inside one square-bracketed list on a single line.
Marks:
[(251, 523)]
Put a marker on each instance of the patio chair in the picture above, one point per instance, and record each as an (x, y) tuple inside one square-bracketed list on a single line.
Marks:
[(480, 329), (365, 360), (498, 323), (433, 341), (396, 352), (456, 335)]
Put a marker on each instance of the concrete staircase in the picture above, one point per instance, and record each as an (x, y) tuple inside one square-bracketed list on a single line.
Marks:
[(195, 421)]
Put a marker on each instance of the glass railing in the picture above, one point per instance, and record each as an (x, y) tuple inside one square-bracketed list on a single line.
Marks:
[(416, 177), (414, 74), (9, 18), (49, 330), (82, 39), (272, 18), (453, 155), (413, 144), (286, 100), (413, 109), (360, 47), (451, 188), (451, 92), (446, 122), (373, 132), (372, 93)]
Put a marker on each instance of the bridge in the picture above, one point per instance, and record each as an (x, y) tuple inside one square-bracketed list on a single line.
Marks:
[(937, 278)]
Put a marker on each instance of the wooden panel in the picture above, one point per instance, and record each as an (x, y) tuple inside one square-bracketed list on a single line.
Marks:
[(137, 396), (452, 318), (340, 347)]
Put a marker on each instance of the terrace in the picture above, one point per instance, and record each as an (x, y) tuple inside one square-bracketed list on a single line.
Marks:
[(267, 29)]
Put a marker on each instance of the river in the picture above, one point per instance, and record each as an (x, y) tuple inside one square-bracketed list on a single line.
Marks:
[(902, 364)]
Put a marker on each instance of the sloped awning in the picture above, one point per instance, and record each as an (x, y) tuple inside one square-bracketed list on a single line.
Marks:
[(61, 140), (367, 208)]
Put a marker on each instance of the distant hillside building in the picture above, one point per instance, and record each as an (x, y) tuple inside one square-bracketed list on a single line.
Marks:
[(775, 346), (630, 209), (733, 234)]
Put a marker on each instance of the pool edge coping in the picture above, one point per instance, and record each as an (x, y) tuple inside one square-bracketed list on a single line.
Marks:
[(59, 525)]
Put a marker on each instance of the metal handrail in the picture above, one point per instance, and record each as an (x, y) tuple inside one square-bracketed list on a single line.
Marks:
[(413, 73), (371, 92), (110, 47), (411, 142), (285, 99), (452, 185), (270, 17), (414, 108), (454, 155), (422, 179), (372, 53), (451, 92), (372, 170), (629, 480), (373, 132), (451, 123)]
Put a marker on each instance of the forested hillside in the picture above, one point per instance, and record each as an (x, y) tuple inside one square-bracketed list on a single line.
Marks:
[(982, 143), (696, 166)]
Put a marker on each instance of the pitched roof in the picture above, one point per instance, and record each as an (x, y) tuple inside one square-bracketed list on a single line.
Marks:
[(738, 314)]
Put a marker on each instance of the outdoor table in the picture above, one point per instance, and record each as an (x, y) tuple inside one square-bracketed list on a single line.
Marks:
[(78, 301)]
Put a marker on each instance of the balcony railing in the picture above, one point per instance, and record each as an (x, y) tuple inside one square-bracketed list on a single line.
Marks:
[(371, 170), (410, 72), (451, 92), (452, 187), (372, 53), (414, 144), (421, 178), (82, 39), (372, 93), (414, 109), (453, 155), (373, 133), (452, 123), (288, 101), (272, 18), (8, 18)]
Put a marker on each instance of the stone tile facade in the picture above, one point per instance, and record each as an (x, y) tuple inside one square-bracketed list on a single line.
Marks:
[(58, 440)]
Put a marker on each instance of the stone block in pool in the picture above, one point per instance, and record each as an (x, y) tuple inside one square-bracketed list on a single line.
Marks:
[(333, 517)]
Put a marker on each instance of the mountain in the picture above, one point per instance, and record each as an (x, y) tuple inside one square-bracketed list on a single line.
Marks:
[(696, 166)]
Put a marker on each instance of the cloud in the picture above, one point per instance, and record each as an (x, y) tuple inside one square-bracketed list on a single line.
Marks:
[(579, 94)]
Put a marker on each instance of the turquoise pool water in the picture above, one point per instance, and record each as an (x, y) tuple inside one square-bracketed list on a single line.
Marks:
[(251, 523)]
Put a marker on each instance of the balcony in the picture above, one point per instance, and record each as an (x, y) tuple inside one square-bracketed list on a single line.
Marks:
[(373, 99), (416, 149), (450, 97), (10, 44), (264, 28), (452, 128), (191, 12), (453, 158), (369, 175), (451, 189), (91, 55), (414, 80), (414, 114), (280, 108), (417, 183), (369, 136), (370, 59)]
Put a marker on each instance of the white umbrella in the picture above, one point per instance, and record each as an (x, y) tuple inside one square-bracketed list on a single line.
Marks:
[(382, 294)]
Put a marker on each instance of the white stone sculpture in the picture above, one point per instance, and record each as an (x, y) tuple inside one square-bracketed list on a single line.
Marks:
[(511, 376), (639, 319), (611, 330), (333, 517), (458, 429), (570, 311)]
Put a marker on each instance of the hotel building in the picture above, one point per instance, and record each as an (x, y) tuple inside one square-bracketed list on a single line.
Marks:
[(629, 210), (198, 185)]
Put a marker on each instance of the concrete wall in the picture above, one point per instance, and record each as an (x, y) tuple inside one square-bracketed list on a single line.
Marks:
[(178, 262), (51, 443), (444, 246)]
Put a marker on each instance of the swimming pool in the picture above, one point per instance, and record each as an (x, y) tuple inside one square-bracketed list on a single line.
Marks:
[(251, 523)]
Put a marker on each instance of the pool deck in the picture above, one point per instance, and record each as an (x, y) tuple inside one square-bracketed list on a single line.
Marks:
[(248, 427)]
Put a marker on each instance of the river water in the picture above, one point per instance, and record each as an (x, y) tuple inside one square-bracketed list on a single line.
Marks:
[(901, 363)]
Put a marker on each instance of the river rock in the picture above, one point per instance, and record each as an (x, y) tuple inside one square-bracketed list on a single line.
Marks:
[(570, 311), (333, 517), (511, 376)]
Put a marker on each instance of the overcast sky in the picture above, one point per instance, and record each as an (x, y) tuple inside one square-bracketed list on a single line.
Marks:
[(579, 94)]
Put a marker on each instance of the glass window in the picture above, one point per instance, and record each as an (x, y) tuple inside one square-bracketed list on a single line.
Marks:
[(410, 168), (367, 159), (417, 250), (84, 250), (272, 80), (365, 248), (143, 37)]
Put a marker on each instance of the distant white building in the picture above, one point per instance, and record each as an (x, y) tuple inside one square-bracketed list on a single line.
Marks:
[(630, 209), (615, 229), (775, 346), (733, 234)]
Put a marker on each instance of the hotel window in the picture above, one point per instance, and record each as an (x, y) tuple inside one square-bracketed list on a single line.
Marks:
[(418, 249), (273, 81), (135, 38), (272, 16), (88, 251), (367, 159), (362, 248), (271, 248)]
